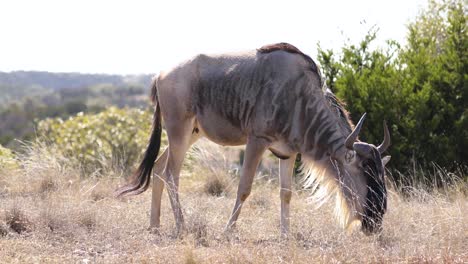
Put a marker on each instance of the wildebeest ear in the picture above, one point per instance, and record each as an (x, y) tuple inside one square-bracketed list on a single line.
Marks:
[(385, 160)]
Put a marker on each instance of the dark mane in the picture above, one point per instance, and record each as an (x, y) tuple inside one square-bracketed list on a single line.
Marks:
[(288, 48), (338, 107), (279, 46)]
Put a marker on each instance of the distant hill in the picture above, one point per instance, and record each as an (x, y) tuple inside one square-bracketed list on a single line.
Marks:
[(28, 96), (17, 85), (60, 81)]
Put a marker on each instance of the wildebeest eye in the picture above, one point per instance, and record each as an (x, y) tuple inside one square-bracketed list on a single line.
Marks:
[(349, 156)]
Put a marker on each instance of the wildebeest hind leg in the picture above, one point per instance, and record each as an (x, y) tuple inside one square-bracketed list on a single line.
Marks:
[(179, 133), (158, 186)]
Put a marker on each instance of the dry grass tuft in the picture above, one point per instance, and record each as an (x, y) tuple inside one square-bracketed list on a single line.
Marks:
[(190, 257), (3, 230), (53, 220), (215, 166), (215, 186), (17, 220), (87, 219), (102, 191), (198, 227), (262, 202), (47, 185)]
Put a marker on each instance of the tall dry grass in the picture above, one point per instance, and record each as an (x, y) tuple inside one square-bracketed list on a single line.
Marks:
[(50, 213)]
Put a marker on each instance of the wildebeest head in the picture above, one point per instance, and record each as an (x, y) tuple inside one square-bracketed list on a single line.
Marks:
[(366, 168)]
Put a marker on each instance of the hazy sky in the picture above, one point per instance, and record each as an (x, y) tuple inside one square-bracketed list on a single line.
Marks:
[(147, 36)]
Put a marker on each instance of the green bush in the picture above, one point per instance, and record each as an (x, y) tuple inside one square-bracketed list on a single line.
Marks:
[(420, 89), (7, 159), (114, 137)]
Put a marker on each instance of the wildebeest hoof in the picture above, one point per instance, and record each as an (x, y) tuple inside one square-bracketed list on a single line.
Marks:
[(285, 236), (180, 233), (154, 230), (231, 234)]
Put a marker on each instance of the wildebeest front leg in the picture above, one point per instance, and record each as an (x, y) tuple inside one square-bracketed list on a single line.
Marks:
[(158, 186), (286, 167), (253, 153)]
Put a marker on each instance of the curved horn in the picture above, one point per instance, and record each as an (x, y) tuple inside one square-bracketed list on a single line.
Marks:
[(353, 136), (386, 142)]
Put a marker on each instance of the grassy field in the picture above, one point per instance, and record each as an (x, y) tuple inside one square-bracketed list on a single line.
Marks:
[(49, 215)]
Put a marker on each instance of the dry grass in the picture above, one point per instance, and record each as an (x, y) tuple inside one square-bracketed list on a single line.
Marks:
[(64, 219), (16, 220)]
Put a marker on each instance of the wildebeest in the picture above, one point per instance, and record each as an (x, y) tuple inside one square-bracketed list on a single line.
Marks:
[(269, 99)]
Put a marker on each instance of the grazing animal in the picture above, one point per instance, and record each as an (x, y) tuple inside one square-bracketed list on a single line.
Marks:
[(268, 99)]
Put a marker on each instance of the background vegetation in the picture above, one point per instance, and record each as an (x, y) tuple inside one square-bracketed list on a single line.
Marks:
[(113, 138), (28, 97), (420, 89)]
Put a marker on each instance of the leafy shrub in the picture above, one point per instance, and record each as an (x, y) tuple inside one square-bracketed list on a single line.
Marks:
[(113, 138), (420, 89), (7, 159)]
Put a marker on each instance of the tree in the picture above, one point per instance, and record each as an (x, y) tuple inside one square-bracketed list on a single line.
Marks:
[(420, 89), (436, 71), (369, 81)]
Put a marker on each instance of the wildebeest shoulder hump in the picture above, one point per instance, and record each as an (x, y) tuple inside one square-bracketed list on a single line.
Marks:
[(288, 48)]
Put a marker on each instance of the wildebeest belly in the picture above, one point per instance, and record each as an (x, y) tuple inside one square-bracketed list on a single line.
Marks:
[(218, 129)]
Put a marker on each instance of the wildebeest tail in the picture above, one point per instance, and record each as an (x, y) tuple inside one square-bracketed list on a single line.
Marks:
[(140, 180)]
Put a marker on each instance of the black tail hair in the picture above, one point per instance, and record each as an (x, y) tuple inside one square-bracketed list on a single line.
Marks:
[(140, 180)]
